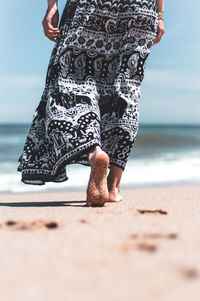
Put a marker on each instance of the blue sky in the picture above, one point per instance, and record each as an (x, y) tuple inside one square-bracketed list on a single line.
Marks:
[(171, 87)]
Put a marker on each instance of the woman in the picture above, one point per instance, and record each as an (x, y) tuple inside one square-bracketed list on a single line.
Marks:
[(89, 110)]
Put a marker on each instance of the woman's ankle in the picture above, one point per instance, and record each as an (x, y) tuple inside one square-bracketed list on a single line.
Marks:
[(92, 153), (114, 178)]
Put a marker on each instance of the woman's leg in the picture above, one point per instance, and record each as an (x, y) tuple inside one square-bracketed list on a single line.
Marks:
[(97, 190), (113, 181)]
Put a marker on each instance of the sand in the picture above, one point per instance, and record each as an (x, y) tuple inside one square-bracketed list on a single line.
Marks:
[(146, 247)]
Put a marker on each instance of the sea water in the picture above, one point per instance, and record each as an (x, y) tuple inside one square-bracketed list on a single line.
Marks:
[(162, 154)]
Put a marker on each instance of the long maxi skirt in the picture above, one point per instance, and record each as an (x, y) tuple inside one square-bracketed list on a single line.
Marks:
[(92, 89)]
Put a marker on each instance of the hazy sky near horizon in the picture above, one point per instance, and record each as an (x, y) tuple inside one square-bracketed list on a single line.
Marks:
[(171, 86)]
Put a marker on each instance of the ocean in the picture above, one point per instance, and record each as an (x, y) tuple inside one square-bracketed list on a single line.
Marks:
[(161, 155)]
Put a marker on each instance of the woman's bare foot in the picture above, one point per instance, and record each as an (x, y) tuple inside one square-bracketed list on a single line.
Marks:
[(114, 195), (97, 190), (113, 181)]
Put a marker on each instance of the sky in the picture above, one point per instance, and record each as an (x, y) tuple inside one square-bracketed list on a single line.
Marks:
[(170, 92)]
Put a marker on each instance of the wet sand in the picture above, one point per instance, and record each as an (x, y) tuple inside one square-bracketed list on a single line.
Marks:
[(146, 247)]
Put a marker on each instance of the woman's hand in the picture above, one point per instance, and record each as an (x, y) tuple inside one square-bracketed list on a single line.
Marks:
[(50, 23), (161, 31)]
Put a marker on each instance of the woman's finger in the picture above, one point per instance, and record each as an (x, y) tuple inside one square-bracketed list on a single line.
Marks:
[(50, 28), (52, 32), (52, 37), (47, 25)]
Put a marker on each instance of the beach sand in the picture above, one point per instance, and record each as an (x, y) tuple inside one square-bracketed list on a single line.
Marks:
[(146, 247)]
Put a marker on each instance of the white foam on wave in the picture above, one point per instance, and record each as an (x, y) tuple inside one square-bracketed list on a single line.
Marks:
[(10, 179), (169, 168), (163, 170)]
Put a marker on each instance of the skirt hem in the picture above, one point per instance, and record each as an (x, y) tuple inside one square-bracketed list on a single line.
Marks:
[(39, 177)]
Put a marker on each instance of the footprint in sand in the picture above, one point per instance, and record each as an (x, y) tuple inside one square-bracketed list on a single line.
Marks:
[(11, 223), (51, 225), (83, 221), (156, 211), (190, 273), (153, 235), (142, 246), (140, 241), (147, 247), (38, 224), (172, 236), (14, 225)]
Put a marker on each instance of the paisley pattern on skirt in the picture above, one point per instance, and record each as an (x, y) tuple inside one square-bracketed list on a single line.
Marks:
[(92, 89)]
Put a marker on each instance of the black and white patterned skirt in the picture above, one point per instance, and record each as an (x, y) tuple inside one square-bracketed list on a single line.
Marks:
[(92, 89)]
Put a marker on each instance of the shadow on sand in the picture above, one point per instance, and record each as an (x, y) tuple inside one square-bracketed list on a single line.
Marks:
[(45, 204)]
